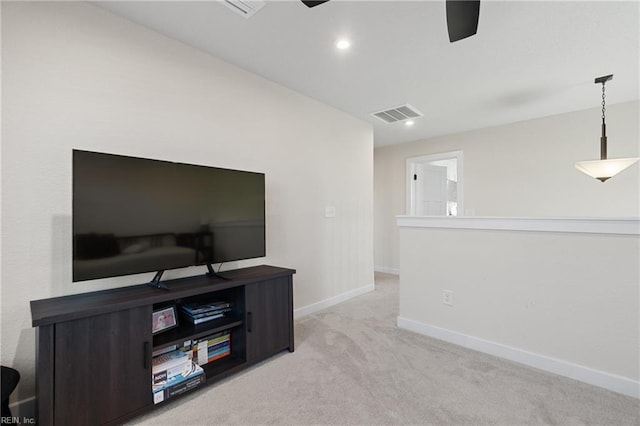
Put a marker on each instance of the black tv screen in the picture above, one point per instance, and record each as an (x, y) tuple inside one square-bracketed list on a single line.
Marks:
[(134, 215)]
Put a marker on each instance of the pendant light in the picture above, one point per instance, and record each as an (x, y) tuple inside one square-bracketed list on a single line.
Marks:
[(604, 168)]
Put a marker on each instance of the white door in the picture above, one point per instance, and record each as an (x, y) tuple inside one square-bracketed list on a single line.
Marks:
[(431, 190), (434, 185)]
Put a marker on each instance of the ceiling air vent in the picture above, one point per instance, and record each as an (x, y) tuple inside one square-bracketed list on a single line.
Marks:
[(399, 113), (245, 8)]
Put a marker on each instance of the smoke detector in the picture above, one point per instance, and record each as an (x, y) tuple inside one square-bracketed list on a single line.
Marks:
[(246, 8), (399, 113)]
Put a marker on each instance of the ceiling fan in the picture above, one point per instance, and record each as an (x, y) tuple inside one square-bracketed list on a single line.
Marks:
[(462, 17)]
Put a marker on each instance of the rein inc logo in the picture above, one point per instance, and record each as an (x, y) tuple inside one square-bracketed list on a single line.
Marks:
[(14, 420)]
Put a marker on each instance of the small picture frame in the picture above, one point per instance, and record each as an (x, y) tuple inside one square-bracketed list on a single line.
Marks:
[(164, 319)]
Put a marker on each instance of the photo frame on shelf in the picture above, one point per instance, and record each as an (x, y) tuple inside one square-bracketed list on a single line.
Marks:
[(164, 319)]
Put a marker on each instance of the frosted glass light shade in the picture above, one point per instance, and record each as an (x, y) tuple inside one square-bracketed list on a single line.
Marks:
[(604, 169)]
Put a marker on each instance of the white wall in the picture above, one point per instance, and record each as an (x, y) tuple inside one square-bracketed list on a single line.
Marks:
[(524, 169), (563, 302), (76, 76)]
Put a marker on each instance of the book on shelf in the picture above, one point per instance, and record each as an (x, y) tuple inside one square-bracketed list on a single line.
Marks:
[(178, 389), (170, 364), (193, 370), (212, 348), (161, 351), (213, 345), (164, 375), (215, 338), (197, 321), (198, 313), (213, 355), (200, 308), (208, 314), (178, 385)]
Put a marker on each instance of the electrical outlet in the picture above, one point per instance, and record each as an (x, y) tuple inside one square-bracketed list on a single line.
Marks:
[(447, 297)]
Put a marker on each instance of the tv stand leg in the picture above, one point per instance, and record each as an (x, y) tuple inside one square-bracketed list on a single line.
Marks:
[(214, 274), (155, 282)]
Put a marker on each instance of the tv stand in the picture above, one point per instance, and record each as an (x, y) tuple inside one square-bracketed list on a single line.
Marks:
[(94, 350)]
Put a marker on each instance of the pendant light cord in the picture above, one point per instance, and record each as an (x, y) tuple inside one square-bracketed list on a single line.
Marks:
[(603, 138), (603, 108)]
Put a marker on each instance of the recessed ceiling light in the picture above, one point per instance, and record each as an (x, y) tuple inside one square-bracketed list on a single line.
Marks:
[(408, 123), (343, 44)]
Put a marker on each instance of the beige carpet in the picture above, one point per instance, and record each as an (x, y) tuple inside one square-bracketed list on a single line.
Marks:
[(352, 365)]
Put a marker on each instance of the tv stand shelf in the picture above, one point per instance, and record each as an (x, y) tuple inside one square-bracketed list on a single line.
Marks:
[(93, 349), (189, 331)]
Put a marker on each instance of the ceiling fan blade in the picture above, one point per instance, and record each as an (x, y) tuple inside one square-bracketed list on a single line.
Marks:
[(313, 3), (462, 18)]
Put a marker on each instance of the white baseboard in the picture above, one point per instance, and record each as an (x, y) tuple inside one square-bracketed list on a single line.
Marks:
[(387, 270), (578, 372), (318, 306)]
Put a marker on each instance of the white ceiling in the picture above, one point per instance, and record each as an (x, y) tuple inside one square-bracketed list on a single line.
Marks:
[(528, 60)]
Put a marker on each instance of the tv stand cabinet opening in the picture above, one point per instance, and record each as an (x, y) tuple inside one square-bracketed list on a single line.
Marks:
[(94, 350)]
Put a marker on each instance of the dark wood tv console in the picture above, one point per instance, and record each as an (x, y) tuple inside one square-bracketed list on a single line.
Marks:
[(94, 349)]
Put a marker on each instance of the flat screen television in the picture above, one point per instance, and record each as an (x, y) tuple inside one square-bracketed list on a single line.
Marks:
[(133, 215)]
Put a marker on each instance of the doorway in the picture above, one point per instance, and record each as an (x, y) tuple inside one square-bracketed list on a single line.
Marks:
[(434, 185)]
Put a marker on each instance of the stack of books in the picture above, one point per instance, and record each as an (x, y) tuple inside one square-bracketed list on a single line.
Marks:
[(197, 313), (211, 348), (173, 374)]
